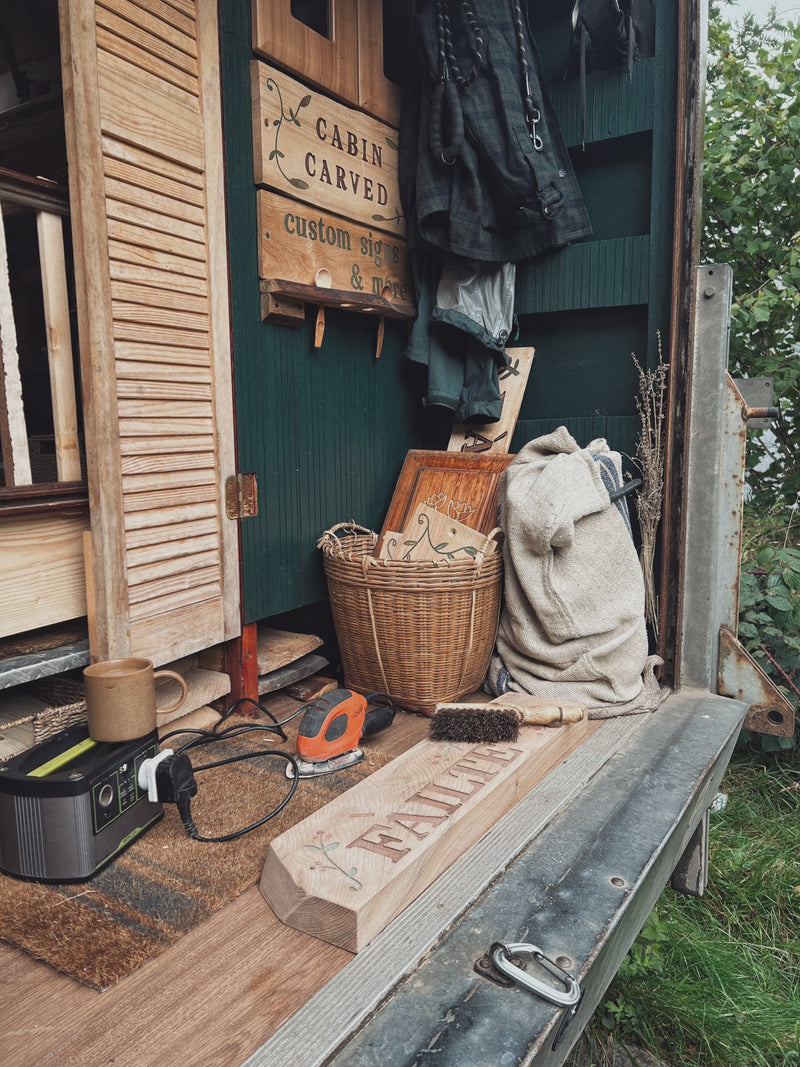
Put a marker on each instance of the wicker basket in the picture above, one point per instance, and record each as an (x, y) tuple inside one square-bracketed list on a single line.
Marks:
[(422, 631)]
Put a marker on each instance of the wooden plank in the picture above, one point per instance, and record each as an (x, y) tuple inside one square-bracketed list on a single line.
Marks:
[(459, 484), (162, 535), (169, 498), (169, 355), (164, 428), (13, 429), (143, 109), (158, 462), (219, 297), (156, 241), (329, 156), (309, 688), (330, 62), (155, 294), (134, 387), (152, 168), (148, 522), (430, 534), (168, 597), (147, 265), (143, 195), (189, 565), (182, 82), (148, 332), (158, 12), (344, 299), (496, 436), (295, 243), (376, 93), (179, 548), (179, 444), (59, 345), (136, 27), (277, 648), (162, 626), (137, 485), (295, 671), (345, 872), (41, 570), (154, 373), (89, 230), (167, 227)]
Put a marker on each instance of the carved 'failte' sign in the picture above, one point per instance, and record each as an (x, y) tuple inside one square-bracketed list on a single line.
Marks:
[(346, 871), (323, 153), (297, 241)]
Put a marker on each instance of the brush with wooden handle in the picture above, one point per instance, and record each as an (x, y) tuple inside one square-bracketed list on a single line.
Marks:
[(499, 720)]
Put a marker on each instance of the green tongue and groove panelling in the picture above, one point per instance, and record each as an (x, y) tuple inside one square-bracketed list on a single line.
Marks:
[(326, 431)]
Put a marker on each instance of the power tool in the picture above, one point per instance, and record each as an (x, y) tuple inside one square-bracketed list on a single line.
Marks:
[(332, 726)]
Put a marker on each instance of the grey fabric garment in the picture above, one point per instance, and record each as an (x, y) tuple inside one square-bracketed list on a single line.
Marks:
[(572, 627), (478, 300), (456, 343)]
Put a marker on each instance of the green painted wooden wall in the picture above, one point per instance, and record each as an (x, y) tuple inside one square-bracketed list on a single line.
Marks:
[(326, 431)]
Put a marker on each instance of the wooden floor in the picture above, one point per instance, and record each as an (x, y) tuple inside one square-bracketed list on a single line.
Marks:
[(212, 999)]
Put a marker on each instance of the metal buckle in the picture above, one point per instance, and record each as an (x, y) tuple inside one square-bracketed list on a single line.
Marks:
[(500, 954)]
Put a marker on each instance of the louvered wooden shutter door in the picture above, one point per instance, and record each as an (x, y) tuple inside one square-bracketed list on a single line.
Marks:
[(142, 110)]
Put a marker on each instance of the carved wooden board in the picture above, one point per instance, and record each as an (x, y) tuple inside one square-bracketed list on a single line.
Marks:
[(296, 242), (496, 436), (323, 153), (433, 535), (346, 871), (461, 485)]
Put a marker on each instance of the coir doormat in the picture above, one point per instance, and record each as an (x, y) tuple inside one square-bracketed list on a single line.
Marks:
[(165, 883)]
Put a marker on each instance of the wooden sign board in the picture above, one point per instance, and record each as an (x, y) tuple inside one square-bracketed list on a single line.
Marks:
[(346, 871), (296, 243), (324, 153), (461, 485), (496, 436), (433, 535)]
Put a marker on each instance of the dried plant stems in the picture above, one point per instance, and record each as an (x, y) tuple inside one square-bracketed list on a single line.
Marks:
[(650, 406)]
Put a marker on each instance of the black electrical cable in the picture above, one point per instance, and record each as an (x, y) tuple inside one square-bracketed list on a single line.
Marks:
[(203, 737)]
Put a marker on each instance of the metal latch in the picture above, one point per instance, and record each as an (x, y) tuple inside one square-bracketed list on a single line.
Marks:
[(501, 957), (241, 496)]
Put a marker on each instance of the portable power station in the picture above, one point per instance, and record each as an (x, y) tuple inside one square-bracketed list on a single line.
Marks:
[(70, 804)]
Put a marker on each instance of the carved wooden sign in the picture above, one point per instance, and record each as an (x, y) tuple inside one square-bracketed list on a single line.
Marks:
[(345, 872), (324, 153), (297, 242), (496, 436)]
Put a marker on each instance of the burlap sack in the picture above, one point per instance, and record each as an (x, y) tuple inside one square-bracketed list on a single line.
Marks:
[(572, 627)]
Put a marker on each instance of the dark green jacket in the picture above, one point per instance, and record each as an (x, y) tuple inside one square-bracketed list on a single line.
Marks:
[(502, 200)]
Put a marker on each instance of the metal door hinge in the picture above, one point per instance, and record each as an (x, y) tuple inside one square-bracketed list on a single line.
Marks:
[(241, 496)]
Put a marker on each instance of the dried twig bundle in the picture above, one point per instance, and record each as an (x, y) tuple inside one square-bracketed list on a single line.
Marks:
[(650, 406)]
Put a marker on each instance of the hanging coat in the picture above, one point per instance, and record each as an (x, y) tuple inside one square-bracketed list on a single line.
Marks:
[(485, 181), (510, 192)]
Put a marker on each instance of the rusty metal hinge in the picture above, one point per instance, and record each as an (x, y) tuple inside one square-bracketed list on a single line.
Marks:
[(241, 496)]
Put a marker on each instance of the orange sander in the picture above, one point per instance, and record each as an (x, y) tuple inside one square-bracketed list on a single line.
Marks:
[(332, 726)]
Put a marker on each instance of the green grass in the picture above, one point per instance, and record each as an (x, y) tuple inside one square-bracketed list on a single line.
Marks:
[(715, 981)]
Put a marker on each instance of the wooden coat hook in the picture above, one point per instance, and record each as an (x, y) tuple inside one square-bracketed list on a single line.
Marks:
[(323, 279)]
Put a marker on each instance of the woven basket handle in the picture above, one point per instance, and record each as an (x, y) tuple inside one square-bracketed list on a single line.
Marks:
[(331, 543), (494, 535)]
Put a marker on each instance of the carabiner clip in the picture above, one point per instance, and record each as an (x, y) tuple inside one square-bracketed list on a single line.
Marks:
[(500, 954)]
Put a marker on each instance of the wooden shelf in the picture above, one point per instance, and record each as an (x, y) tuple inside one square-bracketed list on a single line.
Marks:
[(279, 296)]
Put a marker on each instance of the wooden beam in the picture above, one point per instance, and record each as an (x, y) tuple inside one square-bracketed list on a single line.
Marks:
[(59, 345), (13, 431)]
